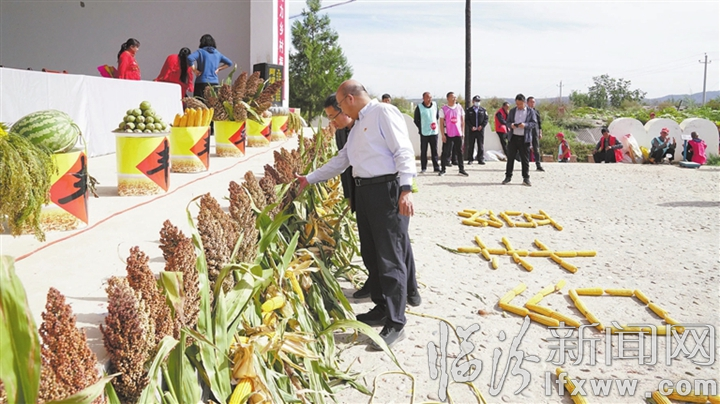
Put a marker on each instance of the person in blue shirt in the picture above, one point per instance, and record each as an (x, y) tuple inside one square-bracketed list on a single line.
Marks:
[(207, 62)]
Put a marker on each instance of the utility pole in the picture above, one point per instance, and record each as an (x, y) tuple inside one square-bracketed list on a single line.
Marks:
[(704, 76), (468, 53), (560, 99)]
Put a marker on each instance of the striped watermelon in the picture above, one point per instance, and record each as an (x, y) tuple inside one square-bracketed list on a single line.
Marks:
[(50, 128)]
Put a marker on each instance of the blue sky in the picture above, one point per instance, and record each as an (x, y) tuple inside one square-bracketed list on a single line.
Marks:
[(407, 47)]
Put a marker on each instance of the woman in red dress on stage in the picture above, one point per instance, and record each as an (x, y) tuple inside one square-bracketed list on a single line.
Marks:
[(128, 68), (177, 70)]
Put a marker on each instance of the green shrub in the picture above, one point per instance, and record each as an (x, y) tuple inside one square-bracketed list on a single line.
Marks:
[(713, 160)]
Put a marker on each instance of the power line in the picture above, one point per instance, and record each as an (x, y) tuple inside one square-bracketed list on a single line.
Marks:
[(322, 8), (704, 76)]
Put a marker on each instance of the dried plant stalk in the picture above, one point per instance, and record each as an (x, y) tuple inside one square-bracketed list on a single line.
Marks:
[(241, 211), (256, 193), (68, 363), (170, 236), (141, 278), (251, 87), (219, 233), (129, 337), (183, 261)]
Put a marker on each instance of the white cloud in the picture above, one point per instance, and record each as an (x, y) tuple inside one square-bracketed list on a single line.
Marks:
[(407, 47)]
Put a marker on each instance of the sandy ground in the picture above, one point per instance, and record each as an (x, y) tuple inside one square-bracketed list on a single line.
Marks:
[(655, 228)]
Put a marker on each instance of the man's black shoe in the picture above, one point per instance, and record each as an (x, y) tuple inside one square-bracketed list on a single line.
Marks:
[(506, 181), (363, 292), (482, 163), (437, 170), (414, 299), (539, 168), (376, 316), (391, 336), (527, 183), (463, 172), (441, 173), (423, 171), (469, 162)]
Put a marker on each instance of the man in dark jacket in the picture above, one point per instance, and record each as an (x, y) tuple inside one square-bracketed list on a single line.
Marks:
[(476, 118), (536, 135), (521, 120)]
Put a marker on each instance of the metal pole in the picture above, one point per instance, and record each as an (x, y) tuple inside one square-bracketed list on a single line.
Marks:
[(704, 76), (560, 100), (468, 53)]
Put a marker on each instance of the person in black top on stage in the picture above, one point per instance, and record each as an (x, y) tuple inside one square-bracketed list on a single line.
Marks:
[(476, 118)]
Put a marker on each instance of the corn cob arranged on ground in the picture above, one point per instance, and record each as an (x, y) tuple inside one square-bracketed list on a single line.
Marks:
[(485, 218), (194, 117), (570, 387)]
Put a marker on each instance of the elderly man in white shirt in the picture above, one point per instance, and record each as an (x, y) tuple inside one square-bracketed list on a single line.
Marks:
[(383, 165)]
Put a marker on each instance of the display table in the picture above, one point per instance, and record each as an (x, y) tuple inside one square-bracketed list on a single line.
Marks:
[(96, 104)]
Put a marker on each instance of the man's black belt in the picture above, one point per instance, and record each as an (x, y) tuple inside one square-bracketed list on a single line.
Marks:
[(359, 182)]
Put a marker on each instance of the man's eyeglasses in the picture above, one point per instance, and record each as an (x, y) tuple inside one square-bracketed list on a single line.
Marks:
[(332, 118), (341, 101)]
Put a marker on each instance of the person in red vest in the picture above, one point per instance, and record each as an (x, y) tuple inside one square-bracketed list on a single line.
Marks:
[(695, 150), (177, 70), (128, 68), (501, 125), (563, 148), (608, 149)]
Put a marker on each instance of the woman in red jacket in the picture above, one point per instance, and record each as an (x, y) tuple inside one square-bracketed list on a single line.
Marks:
[(127, 66), (177, 70)]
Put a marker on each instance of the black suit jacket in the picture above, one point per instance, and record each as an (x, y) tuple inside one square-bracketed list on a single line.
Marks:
[(470, 117), (531, 123)]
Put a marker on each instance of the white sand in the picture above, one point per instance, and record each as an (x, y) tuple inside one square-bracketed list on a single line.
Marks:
[(655, 228)]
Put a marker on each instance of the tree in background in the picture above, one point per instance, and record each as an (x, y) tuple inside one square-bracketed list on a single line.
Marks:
[(318, 65), (607, 92)]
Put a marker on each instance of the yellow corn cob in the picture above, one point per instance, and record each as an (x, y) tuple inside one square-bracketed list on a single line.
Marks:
[(619, 292), (470, 211), (542, 222), (492, 217), (274, 303), (540, 245), (582, 308), (566, 254), (481, 221), (506, 219), (525, 264), (545, 311), (190, 112), (659, 398), (570, 322), (507, 244), (479, 242), (671, 320), (485, 254), (535, 299), (176, 121), (522, 253), (206, 117), (464, 213), (508, 297), (211, 114), (242, 391), (482, 212), (714, 399), (589, 291), (497, 251), (560, 284), (641, 296), (556, 225), (594, 320), (525, 224), (690, 398), (520, 311), (495, 224), (547, 290), (544, 320), (537, 216), (586, 253), (197, 116), (495, 263), (570, 387), (469, 250), (516, 257), (573, 295), (519, 289), (468, 222), (513, 213), (569, 267), (474, 216), (295, 284), (543, 253), (183, 121), (657, 310)]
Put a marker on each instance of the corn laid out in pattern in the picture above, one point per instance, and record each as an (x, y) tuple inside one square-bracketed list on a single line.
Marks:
[(549, 317), (545, 252), (485, 218)]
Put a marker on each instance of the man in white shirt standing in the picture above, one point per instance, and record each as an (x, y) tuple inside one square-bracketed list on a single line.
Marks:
[(383, 162)]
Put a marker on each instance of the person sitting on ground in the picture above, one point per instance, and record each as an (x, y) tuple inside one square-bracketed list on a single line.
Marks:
[(695, 149), (608, 149), (386, 98), (662, 146), (563, 148)]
